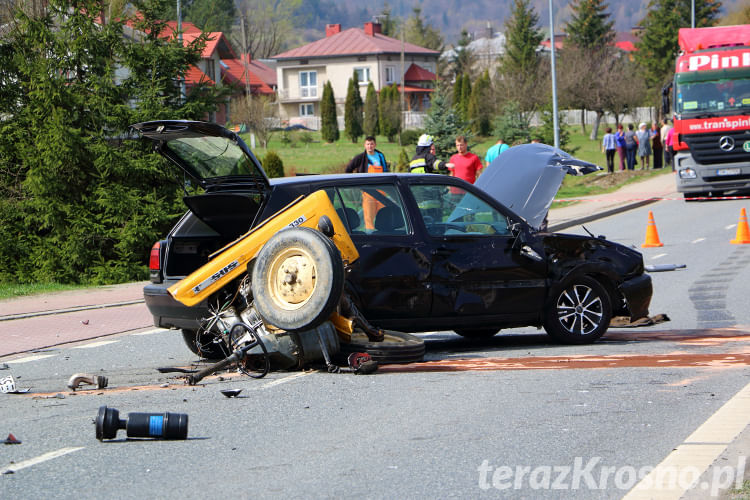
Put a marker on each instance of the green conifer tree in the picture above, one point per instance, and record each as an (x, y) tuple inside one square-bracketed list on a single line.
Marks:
[(465, 97), (589, 26), (329, 127), (480, 109), (522, 38), (443, 123), (657, 45), (371, 118), (353, 110)]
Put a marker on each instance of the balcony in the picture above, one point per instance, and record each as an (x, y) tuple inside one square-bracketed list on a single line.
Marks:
[(303, 94)]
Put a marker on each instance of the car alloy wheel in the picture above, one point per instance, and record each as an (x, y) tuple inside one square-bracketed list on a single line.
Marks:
[(580, 311)]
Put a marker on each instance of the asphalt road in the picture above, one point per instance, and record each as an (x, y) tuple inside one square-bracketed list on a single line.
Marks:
[(510, 417)]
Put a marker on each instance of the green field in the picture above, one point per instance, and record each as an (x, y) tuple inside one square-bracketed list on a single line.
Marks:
[(318, 157)]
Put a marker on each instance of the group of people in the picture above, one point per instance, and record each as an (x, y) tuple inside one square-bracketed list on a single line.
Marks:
[(643, 144), (464, 164)]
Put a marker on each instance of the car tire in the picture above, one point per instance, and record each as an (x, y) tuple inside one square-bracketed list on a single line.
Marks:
[(578, 312), (297, 279), (204, 345), (477, 333), (396, 348)]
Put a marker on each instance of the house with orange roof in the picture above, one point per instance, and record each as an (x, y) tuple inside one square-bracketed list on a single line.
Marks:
[(219, 66), (302, 72)]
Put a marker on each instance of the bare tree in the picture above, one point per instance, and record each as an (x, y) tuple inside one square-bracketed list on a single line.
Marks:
[(258, 114), (267, 23)]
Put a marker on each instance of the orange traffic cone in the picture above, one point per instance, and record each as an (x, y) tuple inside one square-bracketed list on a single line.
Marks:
[(652, 235), (743, 233)]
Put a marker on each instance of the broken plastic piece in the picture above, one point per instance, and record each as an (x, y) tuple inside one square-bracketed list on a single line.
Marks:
[(143, 425), (664, 267), (361, 363), (11, 439), (85, 378), (231, 393)]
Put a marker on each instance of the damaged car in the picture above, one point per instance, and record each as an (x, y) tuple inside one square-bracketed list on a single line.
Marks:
[(430, 252)]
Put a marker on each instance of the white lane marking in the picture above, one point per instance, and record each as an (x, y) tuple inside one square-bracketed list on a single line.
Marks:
[(27, 359), (698, 240), (286, 379), (41, 458), (151, 332), (730, 226), (658, 256), (95, 344), (698, 452)]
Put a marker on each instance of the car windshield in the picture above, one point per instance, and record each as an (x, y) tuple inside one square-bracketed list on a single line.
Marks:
[(210, 156), (713, 93)]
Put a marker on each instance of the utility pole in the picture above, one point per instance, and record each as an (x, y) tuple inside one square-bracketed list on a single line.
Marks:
[(554, 84), (179, 37), (402, 120), (245, 60), (692, 13)]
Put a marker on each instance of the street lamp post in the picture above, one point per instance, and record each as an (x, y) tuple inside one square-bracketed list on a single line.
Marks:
[(554, 84)]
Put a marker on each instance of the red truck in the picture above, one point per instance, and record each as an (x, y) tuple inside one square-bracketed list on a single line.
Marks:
[(711, 95)]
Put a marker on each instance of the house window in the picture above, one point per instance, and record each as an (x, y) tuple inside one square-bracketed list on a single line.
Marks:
[(308, 83), (363, 75), (390, 74), (307, 109), (210, 72)]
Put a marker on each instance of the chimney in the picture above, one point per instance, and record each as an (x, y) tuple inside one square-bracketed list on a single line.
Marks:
[(332, 29), (372, 28)]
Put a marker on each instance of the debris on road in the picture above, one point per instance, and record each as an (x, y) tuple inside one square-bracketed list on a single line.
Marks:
[(624, 321), (657, 268), (11, 439), (141, 425), (8, 386), (231, 393), (84, 378)]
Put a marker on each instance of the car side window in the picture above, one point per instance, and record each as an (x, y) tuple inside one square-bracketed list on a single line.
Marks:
[(451, 210), (371, 209)]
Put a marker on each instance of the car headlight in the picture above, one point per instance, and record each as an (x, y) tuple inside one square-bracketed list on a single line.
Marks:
[(688, 173)]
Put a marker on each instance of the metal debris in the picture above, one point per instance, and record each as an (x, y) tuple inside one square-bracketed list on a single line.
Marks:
[(84, 378), (11, 439)]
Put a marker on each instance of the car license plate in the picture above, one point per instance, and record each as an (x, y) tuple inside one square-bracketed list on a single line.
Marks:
[(728, 171)]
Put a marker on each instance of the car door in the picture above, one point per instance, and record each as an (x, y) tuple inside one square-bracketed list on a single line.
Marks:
[(390, 278), (477, 271)]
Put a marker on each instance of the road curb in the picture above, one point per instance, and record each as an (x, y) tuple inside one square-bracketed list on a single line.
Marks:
[(69, 310)]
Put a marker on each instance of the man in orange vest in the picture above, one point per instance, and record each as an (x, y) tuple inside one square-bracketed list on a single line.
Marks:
[(371, 161)]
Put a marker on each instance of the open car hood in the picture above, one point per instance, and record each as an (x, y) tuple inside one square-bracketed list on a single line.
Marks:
[(526, 178), (207, 152)]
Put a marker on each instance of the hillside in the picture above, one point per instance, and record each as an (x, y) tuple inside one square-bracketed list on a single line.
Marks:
[(451, 16)]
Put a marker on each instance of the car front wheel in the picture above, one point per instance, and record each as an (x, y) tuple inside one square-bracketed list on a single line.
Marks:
[(578, 312)]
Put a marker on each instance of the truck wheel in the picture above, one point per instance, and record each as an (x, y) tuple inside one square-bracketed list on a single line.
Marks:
[(203, 345), (578, 312), (298, 279), (396, 347)]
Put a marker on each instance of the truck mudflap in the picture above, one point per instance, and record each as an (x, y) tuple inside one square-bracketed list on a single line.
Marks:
[(637, 292)]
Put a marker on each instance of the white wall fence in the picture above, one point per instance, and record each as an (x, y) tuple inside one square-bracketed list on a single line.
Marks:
[(414, 120)]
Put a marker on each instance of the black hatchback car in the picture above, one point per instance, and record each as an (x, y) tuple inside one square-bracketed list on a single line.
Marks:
[(436, 253)]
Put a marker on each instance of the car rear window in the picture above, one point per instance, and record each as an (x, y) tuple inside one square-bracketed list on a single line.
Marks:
[(210, 157)]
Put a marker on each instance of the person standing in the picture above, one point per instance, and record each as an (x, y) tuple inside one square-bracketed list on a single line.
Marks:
[(644, 145), (609, 146), (466, 165), (669, 147), (656, 145), (370, 161), (494, 151), (620, 138), (630, 147), (665, 127), (425, 161)]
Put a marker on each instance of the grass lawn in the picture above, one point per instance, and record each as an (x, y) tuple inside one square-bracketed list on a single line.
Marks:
[(9, 290)]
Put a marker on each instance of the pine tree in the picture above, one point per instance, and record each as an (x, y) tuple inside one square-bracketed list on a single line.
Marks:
[(511, 125), (390, 112), (545, 133), (465, 97), (522, 38), (329, 127), (480, 111), (458, 88), (463, 59), (443, 123), (77, 202), (353, 110), (371, 118), (657, 46), (589, 26)]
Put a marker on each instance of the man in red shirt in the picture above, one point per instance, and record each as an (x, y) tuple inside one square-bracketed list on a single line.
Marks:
[(466, 165)]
